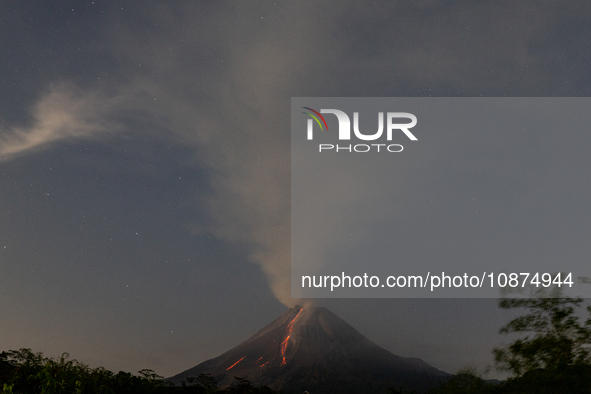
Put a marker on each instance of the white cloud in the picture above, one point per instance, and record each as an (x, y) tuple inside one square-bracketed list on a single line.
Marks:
[(65, 112)]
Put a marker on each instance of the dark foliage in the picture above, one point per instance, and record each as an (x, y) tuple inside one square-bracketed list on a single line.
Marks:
[(554, 337), (25, 372), (553, 356), (465, 383), (574, 379)]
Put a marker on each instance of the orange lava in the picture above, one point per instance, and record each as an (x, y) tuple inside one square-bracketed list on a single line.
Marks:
[(232, 366), (289, 329)]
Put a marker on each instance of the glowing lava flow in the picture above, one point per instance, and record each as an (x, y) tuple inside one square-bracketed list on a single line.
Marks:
[(232, 366), (289, 329)]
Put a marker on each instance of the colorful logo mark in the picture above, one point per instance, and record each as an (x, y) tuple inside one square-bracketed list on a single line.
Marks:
[(316, 118)]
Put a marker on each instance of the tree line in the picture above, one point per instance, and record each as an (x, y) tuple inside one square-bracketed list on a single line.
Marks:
[(24, 372)]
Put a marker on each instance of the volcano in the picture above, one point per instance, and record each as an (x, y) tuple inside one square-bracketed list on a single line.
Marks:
[(310, 348)]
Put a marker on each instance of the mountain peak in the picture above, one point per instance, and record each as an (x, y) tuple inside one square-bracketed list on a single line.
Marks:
[(309, 347)]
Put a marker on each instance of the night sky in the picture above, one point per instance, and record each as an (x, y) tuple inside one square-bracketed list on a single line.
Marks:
[(144, 161)]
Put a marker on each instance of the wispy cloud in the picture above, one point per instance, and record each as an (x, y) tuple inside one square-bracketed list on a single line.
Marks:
[(65, 112)]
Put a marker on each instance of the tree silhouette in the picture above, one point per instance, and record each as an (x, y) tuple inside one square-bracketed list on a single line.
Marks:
[(23, 372), (554, 339), (465, 382)]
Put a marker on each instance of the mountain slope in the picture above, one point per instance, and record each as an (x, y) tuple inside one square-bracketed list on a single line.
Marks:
[(313, 349)]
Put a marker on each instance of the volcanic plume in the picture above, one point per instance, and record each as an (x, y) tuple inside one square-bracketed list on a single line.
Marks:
[(313, 349)]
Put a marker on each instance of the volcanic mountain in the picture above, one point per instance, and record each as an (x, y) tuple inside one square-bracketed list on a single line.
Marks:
[(312, 349)]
